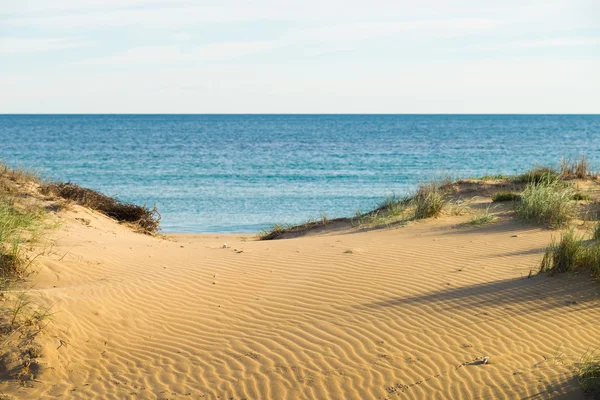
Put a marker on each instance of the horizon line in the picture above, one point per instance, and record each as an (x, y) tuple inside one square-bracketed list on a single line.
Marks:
[(300, 114)]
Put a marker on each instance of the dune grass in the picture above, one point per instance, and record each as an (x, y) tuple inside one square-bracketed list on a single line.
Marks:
[(536, 175), (576, 168), (490, 177), (580, 196), (430, 199), (596, 232), (588, 375), (572, 253), (22, 221), (18, 226), (483, 217), (548, 198), (146, 220), (505, 196), (391, 210), (274, 231), (546, 201)]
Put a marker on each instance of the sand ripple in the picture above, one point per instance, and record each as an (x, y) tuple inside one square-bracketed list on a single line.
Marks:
[(405, 314)]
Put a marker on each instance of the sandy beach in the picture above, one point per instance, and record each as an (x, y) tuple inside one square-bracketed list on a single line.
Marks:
[(404, 312)]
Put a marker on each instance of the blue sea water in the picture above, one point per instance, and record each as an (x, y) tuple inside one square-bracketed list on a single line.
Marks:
[(241, 173)]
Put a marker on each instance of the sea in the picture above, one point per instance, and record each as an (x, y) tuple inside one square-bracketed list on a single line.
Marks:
[(243, 173)]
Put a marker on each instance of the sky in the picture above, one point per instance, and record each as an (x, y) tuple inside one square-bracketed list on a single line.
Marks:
[(300, 56)]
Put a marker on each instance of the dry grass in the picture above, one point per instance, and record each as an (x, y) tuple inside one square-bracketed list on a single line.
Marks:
[(273, 232), (143, 218), (576, 168)]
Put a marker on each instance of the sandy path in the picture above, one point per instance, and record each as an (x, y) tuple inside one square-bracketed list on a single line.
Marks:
[(382, 314)]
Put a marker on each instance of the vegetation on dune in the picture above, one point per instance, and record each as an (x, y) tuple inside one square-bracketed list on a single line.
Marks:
[(145, 219), (505, 196), (274, 231), (430, 199), (572, 253), (21, 223), (579, 196), (23, 219), (588, 375), (536, 175), (490, 177), (576, 168), (547, 198), (483, 217), (17, 228), (546, 201)]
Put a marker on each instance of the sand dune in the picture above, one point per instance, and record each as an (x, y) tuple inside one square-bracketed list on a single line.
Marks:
[(385, 314)]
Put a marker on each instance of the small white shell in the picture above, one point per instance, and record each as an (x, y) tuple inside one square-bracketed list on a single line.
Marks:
[(485, 360), (225, 246)]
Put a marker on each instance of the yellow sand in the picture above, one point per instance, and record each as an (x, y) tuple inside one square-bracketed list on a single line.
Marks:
[(393, 313)]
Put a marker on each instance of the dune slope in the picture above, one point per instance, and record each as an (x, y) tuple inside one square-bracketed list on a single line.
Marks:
[(394, 313)]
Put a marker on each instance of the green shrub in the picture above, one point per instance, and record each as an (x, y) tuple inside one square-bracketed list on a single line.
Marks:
[(547, 202), (505, 196)]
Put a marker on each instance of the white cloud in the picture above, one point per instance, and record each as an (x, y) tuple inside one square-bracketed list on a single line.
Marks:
[(555, 42), (96, 14), (36, 45), (327, 39), (186, 38), (538, 43), (510, 86), (414, 28), (173, 55)]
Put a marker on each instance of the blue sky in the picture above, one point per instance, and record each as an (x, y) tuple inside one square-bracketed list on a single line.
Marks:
[(380, 56)]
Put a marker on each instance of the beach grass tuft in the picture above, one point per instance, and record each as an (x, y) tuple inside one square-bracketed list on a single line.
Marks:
[(483, 217), (596, 232), (145, 219), (536, 175), (273, 232), (572, 253), (17, 227), (588, 374), (577, 168), (21, 223), (580, 196), (505, 196), (546, 201), (490, 177), (430, 199)]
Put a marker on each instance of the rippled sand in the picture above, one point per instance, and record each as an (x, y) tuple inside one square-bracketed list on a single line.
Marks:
[(393, 313)]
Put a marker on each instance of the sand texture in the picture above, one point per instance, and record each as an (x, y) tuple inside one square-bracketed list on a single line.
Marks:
[(404, 312)]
